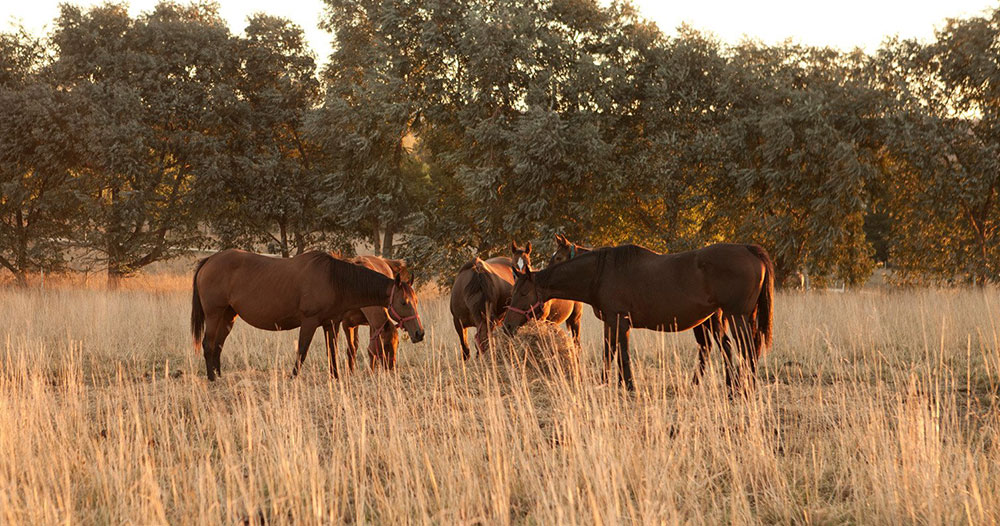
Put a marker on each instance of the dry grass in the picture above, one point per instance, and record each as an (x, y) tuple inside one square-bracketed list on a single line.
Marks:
[(872, 408)]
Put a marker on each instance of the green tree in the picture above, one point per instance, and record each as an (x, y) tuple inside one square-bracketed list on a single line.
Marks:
[(376, 85), (157, 84), (942, 155), (799, 142), (39, 147), (273, 188)]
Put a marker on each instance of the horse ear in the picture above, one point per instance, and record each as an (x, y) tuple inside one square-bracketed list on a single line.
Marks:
[(513, 247), (409, 278), (397, 280), (527, 248), (561, 239)]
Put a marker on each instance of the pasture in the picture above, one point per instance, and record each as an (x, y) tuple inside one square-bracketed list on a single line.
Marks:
[(872, 407)]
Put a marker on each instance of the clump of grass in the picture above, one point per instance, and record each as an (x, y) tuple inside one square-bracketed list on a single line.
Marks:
[(540, 350)]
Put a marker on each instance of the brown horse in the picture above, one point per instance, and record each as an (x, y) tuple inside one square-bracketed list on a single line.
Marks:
[(632, 287), (553, 311), (308, 291), (384, 336), (481, 294), (714, 326), (479, 297)]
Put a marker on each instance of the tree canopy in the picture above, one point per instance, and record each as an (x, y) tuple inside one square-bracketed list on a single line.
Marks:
[(439, 130)]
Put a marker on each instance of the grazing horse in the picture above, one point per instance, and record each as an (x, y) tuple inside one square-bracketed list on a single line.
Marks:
[(384, 337), (479, 297), (632, 287), (714, 326), (481, 294), (554, 311), (308, 291)]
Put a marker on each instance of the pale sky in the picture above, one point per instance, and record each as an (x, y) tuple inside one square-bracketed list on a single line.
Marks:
[(845, 23)]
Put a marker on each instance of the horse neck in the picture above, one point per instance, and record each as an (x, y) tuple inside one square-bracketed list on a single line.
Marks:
[(572, 280), (367, 292)]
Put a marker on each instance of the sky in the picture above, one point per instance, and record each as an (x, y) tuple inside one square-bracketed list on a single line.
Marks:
[(844, 24)]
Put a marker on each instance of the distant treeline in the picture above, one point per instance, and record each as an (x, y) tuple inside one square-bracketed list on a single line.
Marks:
[(443, 129)]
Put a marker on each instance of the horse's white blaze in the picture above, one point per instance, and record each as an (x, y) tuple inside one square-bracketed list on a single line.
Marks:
[(520, 263)]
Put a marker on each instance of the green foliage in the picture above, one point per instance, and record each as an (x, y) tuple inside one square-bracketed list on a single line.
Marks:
[(153, 83), (941, 160), (445, 129), (39, 148)]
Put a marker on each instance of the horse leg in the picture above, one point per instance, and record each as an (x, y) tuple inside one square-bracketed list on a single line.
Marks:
[(748, 351), (482, 337), (351, 337), (389, 348), (330, 330), (376, 347), (306, 332), (702, 336), (624, 367), (462, 338), (212, 323), (224, 328), (610, 345), (573, 323)]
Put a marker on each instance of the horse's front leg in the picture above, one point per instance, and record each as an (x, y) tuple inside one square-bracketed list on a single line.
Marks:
[(306, 332), (703, 336), (624, 366), (610, 345), (330, 330)]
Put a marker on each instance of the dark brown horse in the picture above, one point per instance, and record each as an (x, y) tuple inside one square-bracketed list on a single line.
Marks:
[(714, 326), (632, 287), (308, 291), (384, 336)]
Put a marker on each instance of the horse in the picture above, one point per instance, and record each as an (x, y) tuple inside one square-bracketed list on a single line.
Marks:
[(714, 326), (480, 296), (308, 291), (633, 287), (384, 337), (553, 311)]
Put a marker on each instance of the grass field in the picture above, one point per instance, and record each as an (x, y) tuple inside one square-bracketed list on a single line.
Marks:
[(874, 408)]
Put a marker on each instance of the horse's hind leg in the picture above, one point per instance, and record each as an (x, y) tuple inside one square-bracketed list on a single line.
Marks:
[(224, 328), (744, 334), (217, 326), (726, 343), (462, 337), (610, 345)]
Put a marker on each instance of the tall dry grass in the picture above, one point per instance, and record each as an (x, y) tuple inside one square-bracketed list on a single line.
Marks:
[(871, 408)]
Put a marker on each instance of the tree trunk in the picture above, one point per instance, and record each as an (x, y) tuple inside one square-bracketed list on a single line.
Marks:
[(300, 243), (283, 228), (115, 273), (376, 241), (387, 241)]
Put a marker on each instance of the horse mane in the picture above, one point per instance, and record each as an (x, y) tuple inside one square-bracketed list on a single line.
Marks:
[(356, 276), (617, 258)]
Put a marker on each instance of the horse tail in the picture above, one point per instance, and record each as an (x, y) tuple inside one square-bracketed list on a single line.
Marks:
[(197, 311), (480, 291), (765, 300)]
